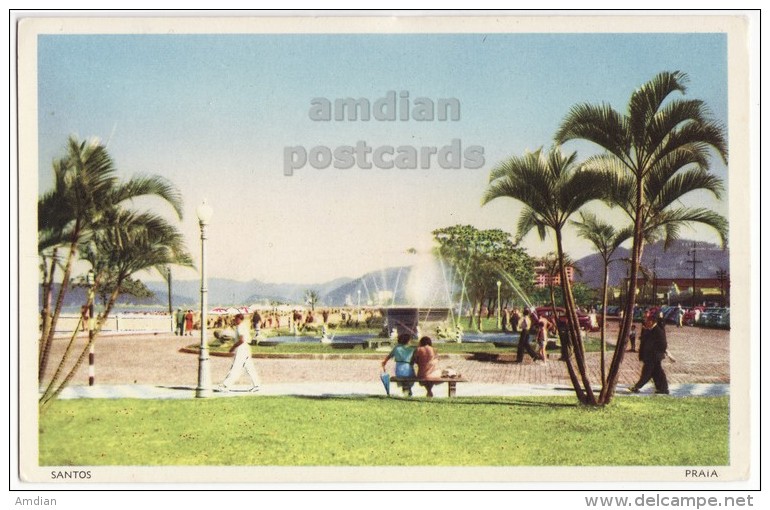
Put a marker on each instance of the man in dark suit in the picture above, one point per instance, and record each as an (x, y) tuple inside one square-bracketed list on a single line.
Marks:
[(652, 351), (525, 324)]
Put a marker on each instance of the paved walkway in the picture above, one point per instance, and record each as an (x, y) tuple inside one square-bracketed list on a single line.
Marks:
[(347, 390), (154, 366)]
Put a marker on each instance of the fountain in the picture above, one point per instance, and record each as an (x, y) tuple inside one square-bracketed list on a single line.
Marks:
[(423, 300), (425, 303)]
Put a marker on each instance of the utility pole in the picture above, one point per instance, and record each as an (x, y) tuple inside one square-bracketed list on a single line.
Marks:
[(654, 282), (170, 309), (722, 275), (693, 262)]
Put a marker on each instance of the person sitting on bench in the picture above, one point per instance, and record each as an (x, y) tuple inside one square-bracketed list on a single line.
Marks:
[(427, 364), (403, 355)]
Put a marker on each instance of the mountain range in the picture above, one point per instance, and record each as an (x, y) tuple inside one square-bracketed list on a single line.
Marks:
[(378, 286), (674, 262)]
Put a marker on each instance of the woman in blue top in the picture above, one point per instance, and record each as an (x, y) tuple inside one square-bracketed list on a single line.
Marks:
[(403, 355)]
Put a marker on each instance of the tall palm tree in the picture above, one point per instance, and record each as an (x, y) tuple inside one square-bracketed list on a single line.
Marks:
[(125, 243), (552, 188), (664, 145), (85, 186), (606, 240)]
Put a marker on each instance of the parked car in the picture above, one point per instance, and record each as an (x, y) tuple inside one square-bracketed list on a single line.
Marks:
[(715, 318), (724, 319), (561, 316)]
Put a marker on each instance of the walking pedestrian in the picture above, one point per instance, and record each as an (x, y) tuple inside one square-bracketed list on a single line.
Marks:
[(85, 316), (242, 360), (179, 317), (525, 325), (679, 315), (543, 325), (632, 338), (188, 322), (652, 351)]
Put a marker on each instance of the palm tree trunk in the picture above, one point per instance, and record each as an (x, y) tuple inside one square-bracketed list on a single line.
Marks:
[(48, 340), (50, 391), (566, 354), (628, 313), (553, 298), (48, 278), (581, 395), (92, 334), (60, 368), (574, 326), (604, 319)]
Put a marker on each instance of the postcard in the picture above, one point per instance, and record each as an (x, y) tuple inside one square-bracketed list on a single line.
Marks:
[(244, 221)]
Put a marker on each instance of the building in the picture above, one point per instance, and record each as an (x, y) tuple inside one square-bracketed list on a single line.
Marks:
[(545, 278)]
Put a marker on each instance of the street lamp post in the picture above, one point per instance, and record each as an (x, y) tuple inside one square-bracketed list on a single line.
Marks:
[(694, 263), (499, 318), (203, 390), (170, 308), (91, 349)]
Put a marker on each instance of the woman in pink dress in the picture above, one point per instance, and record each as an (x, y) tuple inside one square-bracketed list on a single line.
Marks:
[(188, 322), (427, 363)]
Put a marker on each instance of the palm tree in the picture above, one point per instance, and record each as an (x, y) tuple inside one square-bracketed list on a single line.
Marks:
[(85, 186), (552, 188), (606, 239), (125, 243), (661, 149)]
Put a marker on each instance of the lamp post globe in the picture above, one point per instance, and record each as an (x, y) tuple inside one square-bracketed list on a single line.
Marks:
[(204, 213)]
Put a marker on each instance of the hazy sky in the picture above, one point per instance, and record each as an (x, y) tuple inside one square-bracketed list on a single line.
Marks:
[(216, 113)]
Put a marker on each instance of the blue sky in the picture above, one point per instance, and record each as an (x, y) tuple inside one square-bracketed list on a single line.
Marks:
[(214, 114)]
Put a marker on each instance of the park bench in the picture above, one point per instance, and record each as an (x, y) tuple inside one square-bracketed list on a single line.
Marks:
[(451, 382), (376, 343)]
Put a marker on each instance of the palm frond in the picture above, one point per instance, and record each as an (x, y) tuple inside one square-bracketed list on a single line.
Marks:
[(672, 117), (666, 167), (662, 195), (673, 219), (699, 137), (149, 186), (601, 125), (529, 219), (581, 187), (647, 100)]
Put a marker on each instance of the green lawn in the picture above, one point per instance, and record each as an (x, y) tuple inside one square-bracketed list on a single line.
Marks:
[(381, 431)]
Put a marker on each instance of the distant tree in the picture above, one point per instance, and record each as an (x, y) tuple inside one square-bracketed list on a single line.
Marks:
[(479, 258), (311, 298)]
